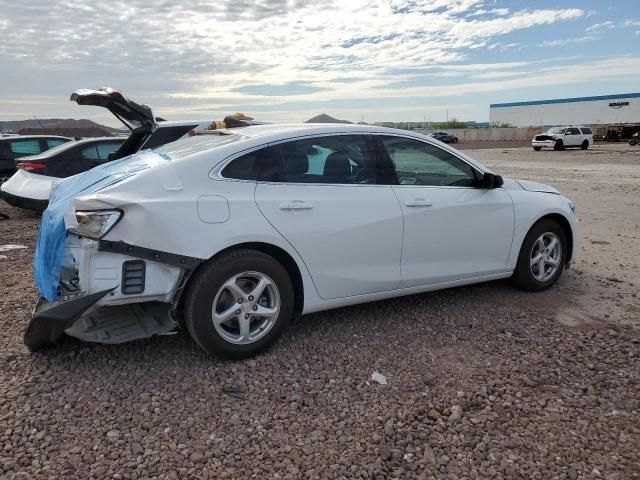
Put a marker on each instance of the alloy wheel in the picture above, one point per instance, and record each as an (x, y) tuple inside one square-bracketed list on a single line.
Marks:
[(245, 308), (545, 257)]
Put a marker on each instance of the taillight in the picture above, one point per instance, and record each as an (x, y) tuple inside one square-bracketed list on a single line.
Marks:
[(30, 166)]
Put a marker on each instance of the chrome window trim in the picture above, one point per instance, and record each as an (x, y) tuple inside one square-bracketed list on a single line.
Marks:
[(216, 172)]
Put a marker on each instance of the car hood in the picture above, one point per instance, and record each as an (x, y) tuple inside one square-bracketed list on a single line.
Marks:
[(530, 186)]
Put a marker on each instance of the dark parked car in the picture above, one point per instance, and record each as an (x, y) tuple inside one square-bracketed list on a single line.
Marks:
[(15, 147), (445, 137), (72, 157)]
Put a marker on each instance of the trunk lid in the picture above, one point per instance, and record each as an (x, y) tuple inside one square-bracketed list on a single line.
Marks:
[(130, 113)]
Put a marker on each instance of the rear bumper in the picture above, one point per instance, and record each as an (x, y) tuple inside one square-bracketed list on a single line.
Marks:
[(24, 202), (50, 320)]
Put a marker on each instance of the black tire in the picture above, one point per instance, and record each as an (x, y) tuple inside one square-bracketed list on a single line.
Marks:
[(584, 145), (455, 140), (559, 145), (210, 278), (523, 276), (537, 149), (633, 142)]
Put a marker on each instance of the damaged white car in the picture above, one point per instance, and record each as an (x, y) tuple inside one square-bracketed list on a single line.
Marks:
[(231, 234)]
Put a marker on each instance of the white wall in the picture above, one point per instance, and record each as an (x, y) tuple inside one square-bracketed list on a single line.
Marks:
[(572, 113)]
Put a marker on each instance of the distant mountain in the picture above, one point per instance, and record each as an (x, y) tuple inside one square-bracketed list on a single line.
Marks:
[(57, 126), (324, 118)]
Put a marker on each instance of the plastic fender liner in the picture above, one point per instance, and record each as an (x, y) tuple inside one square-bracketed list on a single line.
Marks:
[(50, 320), (189, 263)]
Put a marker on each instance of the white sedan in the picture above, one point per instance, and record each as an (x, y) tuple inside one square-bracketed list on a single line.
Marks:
[(232, 234)]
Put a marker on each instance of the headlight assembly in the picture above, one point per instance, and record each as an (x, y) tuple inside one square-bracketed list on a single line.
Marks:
[(95, 224)]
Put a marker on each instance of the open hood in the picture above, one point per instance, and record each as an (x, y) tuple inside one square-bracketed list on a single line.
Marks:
[(132, 114)]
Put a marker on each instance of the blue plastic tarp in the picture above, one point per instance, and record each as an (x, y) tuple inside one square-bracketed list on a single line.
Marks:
[(49, 253)]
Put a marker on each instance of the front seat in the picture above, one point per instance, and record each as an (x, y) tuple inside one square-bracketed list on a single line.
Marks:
[(337, 168), (296, 166)]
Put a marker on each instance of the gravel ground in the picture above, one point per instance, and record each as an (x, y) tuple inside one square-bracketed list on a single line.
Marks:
[(484, 381)]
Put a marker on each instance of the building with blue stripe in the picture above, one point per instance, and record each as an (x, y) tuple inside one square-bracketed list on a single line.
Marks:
[(597, 110)]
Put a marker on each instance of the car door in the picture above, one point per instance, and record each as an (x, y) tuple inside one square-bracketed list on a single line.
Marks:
[(572, 137), (324, 195), (453, 228)]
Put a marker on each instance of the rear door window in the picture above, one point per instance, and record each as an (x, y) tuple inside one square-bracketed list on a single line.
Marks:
[(586, 131), (21, 148), (332, 159)]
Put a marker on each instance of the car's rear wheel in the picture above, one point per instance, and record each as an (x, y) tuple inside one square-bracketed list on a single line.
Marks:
[(584, 145), (537, 149), (238, 304), (559, 145), (542, 257)]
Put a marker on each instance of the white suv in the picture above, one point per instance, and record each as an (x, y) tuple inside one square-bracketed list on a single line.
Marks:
[(560, 138)]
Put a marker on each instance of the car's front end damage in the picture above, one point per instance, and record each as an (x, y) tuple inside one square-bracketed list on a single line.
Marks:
[(544, 141)]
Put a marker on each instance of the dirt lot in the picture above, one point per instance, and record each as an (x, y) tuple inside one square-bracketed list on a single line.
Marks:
[(484, 381)]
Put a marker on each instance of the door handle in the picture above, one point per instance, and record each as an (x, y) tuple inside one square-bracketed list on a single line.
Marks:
[(295, 205), (418, 202)]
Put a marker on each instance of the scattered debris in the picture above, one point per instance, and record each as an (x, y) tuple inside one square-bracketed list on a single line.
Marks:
[(234, 393), (6, 248), (379, 378)]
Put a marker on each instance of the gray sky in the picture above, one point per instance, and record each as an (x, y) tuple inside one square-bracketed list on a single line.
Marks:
[(287, 60)]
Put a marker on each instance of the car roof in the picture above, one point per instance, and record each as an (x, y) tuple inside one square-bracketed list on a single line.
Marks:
[(33, 137), (277, 130)]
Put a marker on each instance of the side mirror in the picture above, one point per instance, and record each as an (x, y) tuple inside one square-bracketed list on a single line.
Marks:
[(489, 181)]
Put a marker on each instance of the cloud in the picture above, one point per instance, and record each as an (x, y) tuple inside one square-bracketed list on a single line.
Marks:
[(601, 26), (265, 52), (566, 41)]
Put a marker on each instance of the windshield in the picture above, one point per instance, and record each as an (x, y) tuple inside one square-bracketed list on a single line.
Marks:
[(196, 144), (556, 130)]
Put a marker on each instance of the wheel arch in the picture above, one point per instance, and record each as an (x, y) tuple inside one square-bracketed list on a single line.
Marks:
[(284, 258), (566, 228)]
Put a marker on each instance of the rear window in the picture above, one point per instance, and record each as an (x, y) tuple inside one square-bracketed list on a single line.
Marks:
[(54, 142), (25, 147), (586, 131), (197, 144)]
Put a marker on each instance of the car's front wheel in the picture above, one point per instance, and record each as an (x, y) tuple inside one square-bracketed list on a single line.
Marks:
[(537, 149), (559, 145), (542, 257), (238, 304), (584, 145)]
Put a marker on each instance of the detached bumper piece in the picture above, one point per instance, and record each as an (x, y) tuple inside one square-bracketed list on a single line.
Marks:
[(123, 323), (50, 320)]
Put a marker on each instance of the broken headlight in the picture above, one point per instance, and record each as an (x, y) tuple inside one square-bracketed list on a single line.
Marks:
[(95, 224)]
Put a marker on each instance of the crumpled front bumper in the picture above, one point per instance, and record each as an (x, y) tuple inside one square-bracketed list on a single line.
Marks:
[(50, 320)]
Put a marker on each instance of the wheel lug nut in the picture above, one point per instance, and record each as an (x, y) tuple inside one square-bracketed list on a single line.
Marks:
[(240, 300), (238, 312), (251, 298), (246, 315), (255, 307)]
